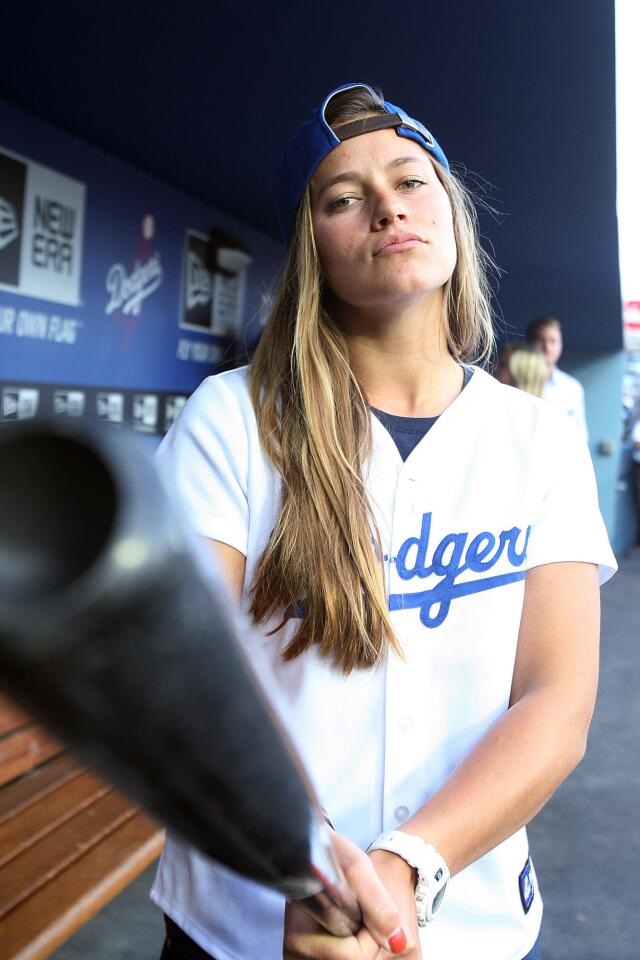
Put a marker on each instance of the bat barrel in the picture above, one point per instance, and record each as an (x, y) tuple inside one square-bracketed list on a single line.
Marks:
[(57, 511), (109, 632), (113, 634)]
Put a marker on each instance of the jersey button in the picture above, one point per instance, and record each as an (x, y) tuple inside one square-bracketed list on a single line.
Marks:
[(401, 813)]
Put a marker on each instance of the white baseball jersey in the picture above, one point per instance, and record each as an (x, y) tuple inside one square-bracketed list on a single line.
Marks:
[(499, 484), (566, 393)]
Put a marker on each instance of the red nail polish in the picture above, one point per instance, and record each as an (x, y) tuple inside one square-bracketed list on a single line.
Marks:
[(398, 941)]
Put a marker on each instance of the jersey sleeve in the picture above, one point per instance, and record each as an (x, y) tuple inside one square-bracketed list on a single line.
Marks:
[(568, 525), (204, 461)]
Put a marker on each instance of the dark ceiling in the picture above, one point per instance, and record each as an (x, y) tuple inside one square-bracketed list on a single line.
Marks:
[(203, 94)]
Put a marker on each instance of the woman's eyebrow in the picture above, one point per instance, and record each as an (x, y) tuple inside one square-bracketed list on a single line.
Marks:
[(354, 175), (339, 178), (399, 161)]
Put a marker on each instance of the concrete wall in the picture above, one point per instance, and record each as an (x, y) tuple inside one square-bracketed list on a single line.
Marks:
[(601, 376)]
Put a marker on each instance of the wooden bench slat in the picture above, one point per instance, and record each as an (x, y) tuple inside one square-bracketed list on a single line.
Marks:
[(25, 749), (31, 824), (68, 842), (37, 783), (12, 717), (55, 852), (33, 930)]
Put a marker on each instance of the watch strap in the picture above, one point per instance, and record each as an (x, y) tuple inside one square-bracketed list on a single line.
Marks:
[(433, 873)]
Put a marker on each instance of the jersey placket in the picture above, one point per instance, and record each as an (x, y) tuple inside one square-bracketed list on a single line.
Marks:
[(406, 691)]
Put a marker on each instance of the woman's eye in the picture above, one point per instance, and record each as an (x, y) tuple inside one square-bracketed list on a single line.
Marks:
[(341, 203), (412, 183)]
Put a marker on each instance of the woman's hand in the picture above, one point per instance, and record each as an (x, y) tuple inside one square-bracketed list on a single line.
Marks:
[(399, 880), (383, 885)]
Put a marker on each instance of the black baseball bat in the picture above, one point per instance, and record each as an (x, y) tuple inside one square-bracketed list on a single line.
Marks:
[(116, 630)]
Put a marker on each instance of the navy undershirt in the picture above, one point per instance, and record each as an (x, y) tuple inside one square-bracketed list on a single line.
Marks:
[(407, 432)]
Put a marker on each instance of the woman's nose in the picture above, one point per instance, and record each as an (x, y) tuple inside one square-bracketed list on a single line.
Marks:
[(388, 208)]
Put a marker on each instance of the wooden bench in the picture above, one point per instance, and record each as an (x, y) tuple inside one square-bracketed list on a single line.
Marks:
[(68, 842)]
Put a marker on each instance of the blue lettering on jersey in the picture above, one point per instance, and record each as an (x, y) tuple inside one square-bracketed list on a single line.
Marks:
[(451, 557)]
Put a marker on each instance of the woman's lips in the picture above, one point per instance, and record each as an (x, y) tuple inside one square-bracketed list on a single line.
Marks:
[(397, 247), (396, 244)]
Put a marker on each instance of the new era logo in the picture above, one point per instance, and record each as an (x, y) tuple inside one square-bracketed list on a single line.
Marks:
[(19, 403), (13, 173), (9, 230)]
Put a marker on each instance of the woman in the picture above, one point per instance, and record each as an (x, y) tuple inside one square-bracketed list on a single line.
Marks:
[(523, 367), (419, 547)]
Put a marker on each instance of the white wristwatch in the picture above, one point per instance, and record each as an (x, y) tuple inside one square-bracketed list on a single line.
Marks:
[(433, 873)]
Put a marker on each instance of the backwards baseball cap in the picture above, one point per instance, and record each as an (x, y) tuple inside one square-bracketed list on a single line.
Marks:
[(314, 139)]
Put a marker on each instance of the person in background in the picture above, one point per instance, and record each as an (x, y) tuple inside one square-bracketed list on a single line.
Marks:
[(523, 367), (561, 389)]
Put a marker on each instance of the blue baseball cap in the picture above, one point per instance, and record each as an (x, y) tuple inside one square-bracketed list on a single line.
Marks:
[(314, 139)]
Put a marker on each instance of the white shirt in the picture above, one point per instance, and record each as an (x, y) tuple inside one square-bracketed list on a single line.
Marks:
[(567, 393), (498, 485)]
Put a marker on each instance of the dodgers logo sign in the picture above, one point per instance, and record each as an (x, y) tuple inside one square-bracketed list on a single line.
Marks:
[(129, 287), (453, 556)]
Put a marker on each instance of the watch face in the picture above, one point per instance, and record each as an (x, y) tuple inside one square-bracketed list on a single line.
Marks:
[(437, 900)]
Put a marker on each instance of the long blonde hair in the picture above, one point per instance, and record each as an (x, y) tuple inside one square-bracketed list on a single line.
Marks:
[(314, 425), (528, 369)]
